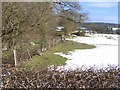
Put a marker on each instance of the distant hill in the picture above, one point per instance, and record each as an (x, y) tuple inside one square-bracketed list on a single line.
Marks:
[(103, 24), (100, 27)]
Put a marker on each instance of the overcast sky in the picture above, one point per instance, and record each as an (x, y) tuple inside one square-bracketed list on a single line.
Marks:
[(106, 12)]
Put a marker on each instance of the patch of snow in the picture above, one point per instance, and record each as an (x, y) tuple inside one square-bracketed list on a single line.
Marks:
[(105, 53)]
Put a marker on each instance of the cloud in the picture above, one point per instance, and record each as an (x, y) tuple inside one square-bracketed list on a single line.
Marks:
[(100, 12), (111, 18), (105, 19), (103, 4), (97, 0)]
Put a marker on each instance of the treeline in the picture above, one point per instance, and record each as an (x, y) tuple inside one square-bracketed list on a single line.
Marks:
[(28, 28)]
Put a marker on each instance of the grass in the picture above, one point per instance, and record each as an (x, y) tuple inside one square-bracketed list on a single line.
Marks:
[(48, 58)]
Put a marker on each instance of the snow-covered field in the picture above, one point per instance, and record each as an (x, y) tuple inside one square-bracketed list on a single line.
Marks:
[(105, 53)]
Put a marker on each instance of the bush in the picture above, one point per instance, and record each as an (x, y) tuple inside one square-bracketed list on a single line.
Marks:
[(80, 34)]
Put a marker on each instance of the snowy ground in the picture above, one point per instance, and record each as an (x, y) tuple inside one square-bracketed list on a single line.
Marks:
[(105, 53)]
